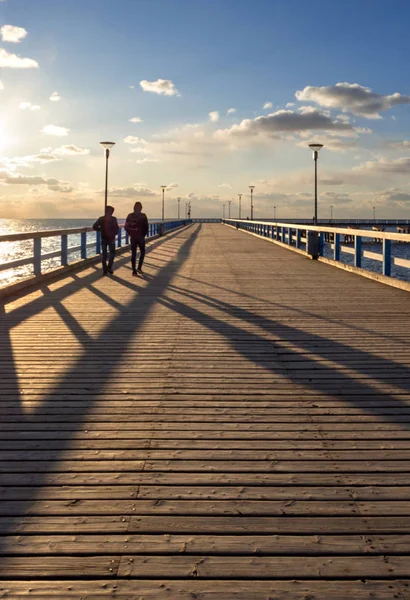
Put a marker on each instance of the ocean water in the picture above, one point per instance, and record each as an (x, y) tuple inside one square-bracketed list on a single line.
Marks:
[(10, 251)]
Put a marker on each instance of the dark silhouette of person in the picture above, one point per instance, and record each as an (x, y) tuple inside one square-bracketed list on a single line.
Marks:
[(137, 227), (108, 227)]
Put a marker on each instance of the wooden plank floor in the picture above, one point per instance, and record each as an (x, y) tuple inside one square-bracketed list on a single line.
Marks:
[(236, 425)]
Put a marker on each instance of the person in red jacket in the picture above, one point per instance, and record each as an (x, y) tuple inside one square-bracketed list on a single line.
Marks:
[(137, 227), (108, 227)]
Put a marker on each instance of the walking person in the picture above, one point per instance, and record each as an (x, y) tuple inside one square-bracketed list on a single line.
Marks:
[(137, 227), (108, 226)]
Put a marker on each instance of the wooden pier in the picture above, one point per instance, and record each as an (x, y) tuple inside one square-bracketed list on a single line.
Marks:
[(236, 425)]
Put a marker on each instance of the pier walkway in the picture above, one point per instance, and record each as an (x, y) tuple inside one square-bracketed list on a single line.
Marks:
[(236, 425)]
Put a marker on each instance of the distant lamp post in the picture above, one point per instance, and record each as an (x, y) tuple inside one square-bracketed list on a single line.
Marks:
[(107, 147), (315, 148), (251, 187), (274, 213), (189, 210), (163, 187), (223, 211), (229, 209), (374, 213), (331, 212), (240, 206), (179, 200)]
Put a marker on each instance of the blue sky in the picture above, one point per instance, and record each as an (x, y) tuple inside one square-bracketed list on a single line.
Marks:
[(212, 55)]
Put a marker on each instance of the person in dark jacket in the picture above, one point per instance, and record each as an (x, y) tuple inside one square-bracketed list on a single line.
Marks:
[(137, 227), (108, 227)]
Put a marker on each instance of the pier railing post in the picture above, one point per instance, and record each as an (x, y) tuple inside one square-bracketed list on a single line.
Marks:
[(387, 257), (312, 244), (298, 238), (83, 244), (64, 250), (357, 251), (336, 248), (37, 256), (98, 243)]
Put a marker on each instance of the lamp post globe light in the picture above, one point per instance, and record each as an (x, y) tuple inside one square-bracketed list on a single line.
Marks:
[(240, 206), (251, 187), (163, 188), (316, 149), (107, 147)]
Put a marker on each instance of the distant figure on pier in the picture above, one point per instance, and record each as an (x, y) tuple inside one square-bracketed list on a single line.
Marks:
[(108, 226), (137, 227)]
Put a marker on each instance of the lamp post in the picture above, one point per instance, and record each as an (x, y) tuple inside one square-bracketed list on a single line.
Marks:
[(240, 206), (189, 210), (179, 200), (315, 148), (374, 213), (251, 187), (107, 147), (223, 211), (229, 209), (274, 213), (163, 187), (331, 212)]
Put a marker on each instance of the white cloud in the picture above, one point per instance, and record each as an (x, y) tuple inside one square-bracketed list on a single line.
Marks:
[(55, 130), (10, 33), (290, 105), (69, 150), (385, 165), (28, 106), (352, 97), (163, 87), (55, 97), (136, 191), (172, 186), (132, 87), (286, 121), (12, 61), (140, 150), (399, 145), (132, 139), (54, 185), (230, 111), (145, 160), (136, 120), (214, 116), (268, 105), (226, 186)]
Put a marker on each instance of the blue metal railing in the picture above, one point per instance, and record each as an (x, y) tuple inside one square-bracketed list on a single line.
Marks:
[(62, 254), (319, 241)]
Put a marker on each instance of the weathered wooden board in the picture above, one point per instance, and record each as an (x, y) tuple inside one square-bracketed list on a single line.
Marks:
[(221, 428)]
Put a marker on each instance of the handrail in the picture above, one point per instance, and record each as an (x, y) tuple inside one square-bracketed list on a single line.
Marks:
[(314, 237), (36, 258)]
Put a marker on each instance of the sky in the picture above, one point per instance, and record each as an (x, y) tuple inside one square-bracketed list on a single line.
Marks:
[(206, 97)]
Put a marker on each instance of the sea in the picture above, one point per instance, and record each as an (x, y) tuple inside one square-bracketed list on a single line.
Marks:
[(11, 251)]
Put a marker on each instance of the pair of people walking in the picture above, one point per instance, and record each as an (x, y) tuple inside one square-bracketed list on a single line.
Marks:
[(137, 228)]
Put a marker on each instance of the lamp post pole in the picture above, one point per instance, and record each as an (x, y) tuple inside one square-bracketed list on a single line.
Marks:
[(229, 209), (316, 148), (374, 213), (240, 205), (223, 211), (274, 213), (331, 212), (107, 147), (163, 187), (251, 187), (179, 200)]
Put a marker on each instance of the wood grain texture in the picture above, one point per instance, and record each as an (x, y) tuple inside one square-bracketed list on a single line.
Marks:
[(235, 425)]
